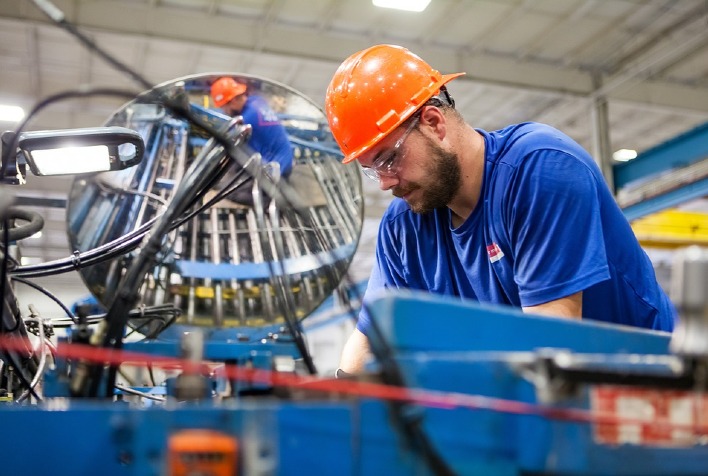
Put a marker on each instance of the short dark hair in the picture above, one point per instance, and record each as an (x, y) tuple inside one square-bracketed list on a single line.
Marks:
[(444, 101)]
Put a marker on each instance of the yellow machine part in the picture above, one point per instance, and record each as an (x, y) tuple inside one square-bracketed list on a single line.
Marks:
[(672, 229)]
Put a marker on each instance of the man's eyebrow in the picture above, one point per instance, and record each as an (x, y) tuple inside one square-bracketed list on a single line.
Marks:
[(376, 157)]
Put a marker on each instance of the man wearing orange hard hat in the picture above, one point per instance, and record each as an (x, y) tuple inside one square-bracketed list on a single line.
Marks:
[(268, 136), (520, 216)]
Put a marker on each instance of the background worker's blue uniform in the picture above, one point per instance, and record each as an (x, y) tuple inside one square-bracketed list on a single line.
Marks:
[(268, 137), (546, 226)]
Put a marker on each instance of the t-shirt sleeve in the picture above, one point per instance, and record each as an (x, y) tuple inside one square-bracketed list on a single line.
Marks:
[(385, 273), (555, 227)]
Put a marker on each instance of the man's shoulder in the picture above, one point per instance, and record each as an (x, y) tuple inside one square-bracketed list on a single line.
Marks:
[(514, 143), (399, 214), (532, 135)]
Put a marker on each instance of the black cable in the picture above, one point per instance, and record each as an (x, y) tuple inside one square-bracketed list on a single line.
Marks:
[(166, 313), (178, 109), (112, 249), (14, 358), (211, 163), (409, 421), (4, 265), (126, 242), (48, 294), (8, 151), (151, 374), (165, 324), (181, 111), (58, 17)]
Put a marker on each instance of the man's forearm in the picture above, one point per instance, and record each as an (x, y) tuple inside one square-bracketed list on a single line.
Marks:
[(355, 353)]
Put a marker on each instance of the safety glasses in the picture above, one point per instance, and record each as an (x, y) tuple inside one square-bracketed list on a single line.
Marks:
[(386, 164)]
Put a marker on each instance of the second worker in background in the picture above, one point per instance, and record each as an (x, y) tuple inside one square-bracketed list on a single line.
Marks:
[(268, 136)]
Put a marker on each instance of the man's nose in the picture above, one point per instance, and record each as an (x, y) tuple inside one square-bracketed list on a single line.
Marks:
[(387, 182)]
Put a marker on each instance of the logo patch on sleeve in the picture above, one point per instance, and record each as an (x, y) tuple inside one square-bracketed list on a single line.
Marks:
[(495, 253)]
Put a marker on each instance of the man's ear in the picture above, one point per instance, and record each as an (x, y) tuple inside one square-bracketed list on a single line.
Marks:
[(435, 120)]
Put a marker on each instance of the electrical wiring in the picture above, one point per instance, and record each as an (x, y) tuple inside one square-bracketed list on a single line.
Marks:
[(427, 398), (107, 187), (165, 314), (63, 322), (57, 16), (8, 151), (210, 163), (111, 250), (132, 391), (117, 247), (20, 358), (48, 294), (4, 263), (42, 357), (173, 105)]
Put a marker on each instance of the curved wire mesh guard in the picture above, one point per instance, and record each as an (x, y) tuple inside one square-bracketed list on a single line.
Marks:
[(237, 262)]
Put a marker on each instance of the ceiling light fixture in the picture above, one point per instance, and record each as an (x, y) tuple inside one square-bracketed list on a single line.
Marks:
[(407, 5), (624, 155), (11, 113)]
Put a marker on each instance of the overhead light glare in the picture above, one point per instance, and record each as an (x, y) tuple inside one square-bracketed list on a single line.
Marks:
[(624, 155), (29, 260), (11, 113), (407, 5), (72, 160)]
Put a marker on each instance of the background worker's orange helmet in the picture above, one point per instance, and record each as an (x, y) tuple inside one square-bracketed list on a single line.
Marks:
[(374, 91), (225, 89)]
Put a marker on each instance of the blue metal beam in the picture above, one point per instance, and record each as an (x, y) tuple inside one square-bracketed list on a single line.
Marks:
[(670, 199), (678, 152)]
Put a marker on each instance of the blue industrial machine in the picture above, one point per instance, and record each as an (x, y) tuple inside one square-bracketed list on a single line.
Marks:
[(503, 393), (193, 360)]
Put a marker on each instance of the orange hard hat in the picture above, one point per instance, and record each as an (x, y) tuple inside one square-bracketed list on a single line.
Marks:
[(374, 91), (225, 89)]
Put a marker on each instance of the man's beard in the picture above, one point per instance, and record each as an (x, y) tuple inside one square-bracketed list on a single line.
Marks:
[(442, 183)]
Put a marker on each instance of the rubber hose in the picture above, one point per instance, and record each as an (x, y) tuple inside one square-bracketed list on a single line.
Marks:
[(34, 220)]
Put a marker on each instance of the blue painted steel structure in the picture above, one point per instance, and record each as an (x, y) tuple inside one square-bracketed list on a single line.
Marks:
[(680, 151), (685, 150), (685, 193), (441, 345)]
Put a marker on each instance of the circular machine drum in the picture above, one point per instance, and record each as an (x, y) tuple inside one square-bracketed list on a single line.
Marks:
[(230, 264)]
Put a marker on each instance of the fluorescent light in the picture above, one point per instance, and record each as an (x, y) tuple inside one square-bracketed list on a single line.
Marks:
[(72, 160), (624, 155), (407, 5), (11, 113)]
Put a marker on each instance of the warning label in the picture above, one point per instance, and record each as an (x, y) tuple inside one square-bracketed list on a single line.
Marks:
[(649, 417)]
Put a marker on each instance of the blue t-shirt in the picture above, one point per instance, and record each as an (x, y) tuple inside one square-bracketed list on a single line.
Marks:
[(268, 136), (546, 226)]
